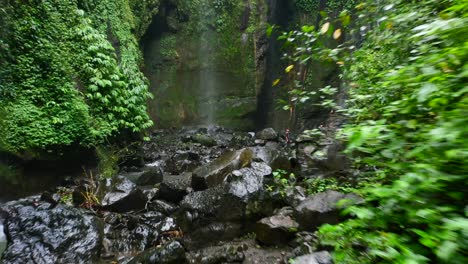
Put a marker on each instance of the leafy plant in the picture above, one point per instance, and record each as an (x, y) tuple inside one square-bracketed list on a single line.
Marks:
[(407, 108), (282, 181)]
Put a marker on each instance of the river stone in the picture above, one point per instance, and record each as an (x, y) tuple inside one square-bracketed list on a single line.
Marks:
[(122, 195), (215, 173), (276, 229), (41, 234), (321, 209), (175, 187), (322, 257), (267, 134), (171, 253)]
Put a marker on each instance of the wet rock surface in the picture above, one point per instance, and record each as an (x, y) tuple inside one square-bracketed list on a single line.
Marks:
[(277, 229), (175, 187), (41, 234), (171, 253), (267, 134), (122, 195), (321, 209), (201, 196), (322, 257)]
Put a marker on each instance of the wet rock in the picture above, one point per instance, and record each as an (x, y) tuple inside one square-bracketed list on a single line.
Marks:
[(321, 209), (171, 253), (260, 142), (204, 140), (162, 206), (267, 134), (228, 253), (213, 232), (215, 173), (122, 195), (322, 257), (182, 161), (294, 196), (241, 188), (204, 202), (3, 238), (150, 176), (128, 233), (325, 157), (304, 243), (150, 193), (175, 187), (276, 229), (247, 182), (272, 156), (39, 234)]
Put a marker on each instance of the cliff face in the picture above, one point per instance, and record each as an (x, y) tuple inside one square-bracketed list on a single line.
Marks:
[(204, 61)]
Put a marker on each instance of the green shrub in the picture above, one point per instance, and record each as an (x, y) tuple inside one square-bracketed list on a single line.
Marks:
[(408, 107)]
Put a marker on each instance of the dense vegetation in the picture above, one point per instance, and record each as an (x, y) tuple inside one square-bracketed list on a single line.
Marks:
[(69, 73), (407, 113), (70, 76)]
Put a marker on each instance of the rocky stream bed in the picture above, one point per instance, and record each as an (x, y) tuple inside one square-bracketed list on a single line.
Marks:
[(196, 195)]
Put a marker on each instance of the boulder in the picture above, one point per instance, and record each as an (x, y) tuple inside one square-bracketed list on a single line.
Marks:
[(171, 253), (215, 173), (175, 187), (182, 161), (295, 195), (128, 233), (162, 206), (151, 175), (322, 257), (241, 188), (277, 229), (204, 140), (321, 209), (41, 234), (212, 233), (267, 134), (121, 195), (272, 156)]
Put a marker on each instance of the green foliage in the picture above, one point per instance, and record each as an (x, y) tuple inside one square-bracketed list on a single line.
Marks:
[(61, 83), (318, 185), (307, 5), (331, 6), (108, 161), (282, 181), (408, 110)]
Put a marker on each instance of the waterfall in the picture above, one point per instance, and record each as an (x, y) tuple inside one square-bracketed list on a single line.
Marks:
[(208, 82)]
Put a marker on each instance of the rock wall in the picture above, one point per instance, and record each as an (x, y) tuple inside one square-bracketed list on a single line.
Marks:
[(202, 62)]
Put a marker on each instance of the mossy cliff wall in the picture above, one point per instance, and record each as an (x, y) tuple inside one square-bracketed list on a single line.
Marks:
[(200, 57), (70, 73)]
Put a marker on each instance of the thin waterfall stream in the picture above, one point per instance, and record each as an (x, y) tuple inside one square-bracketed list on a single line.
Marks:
[(208, 82)]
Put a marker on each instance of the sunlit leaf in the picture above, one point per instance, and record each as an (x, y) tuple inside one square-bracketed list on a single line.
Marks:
[(276, 82), (289, 68), (337, 34), (325, 28)]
